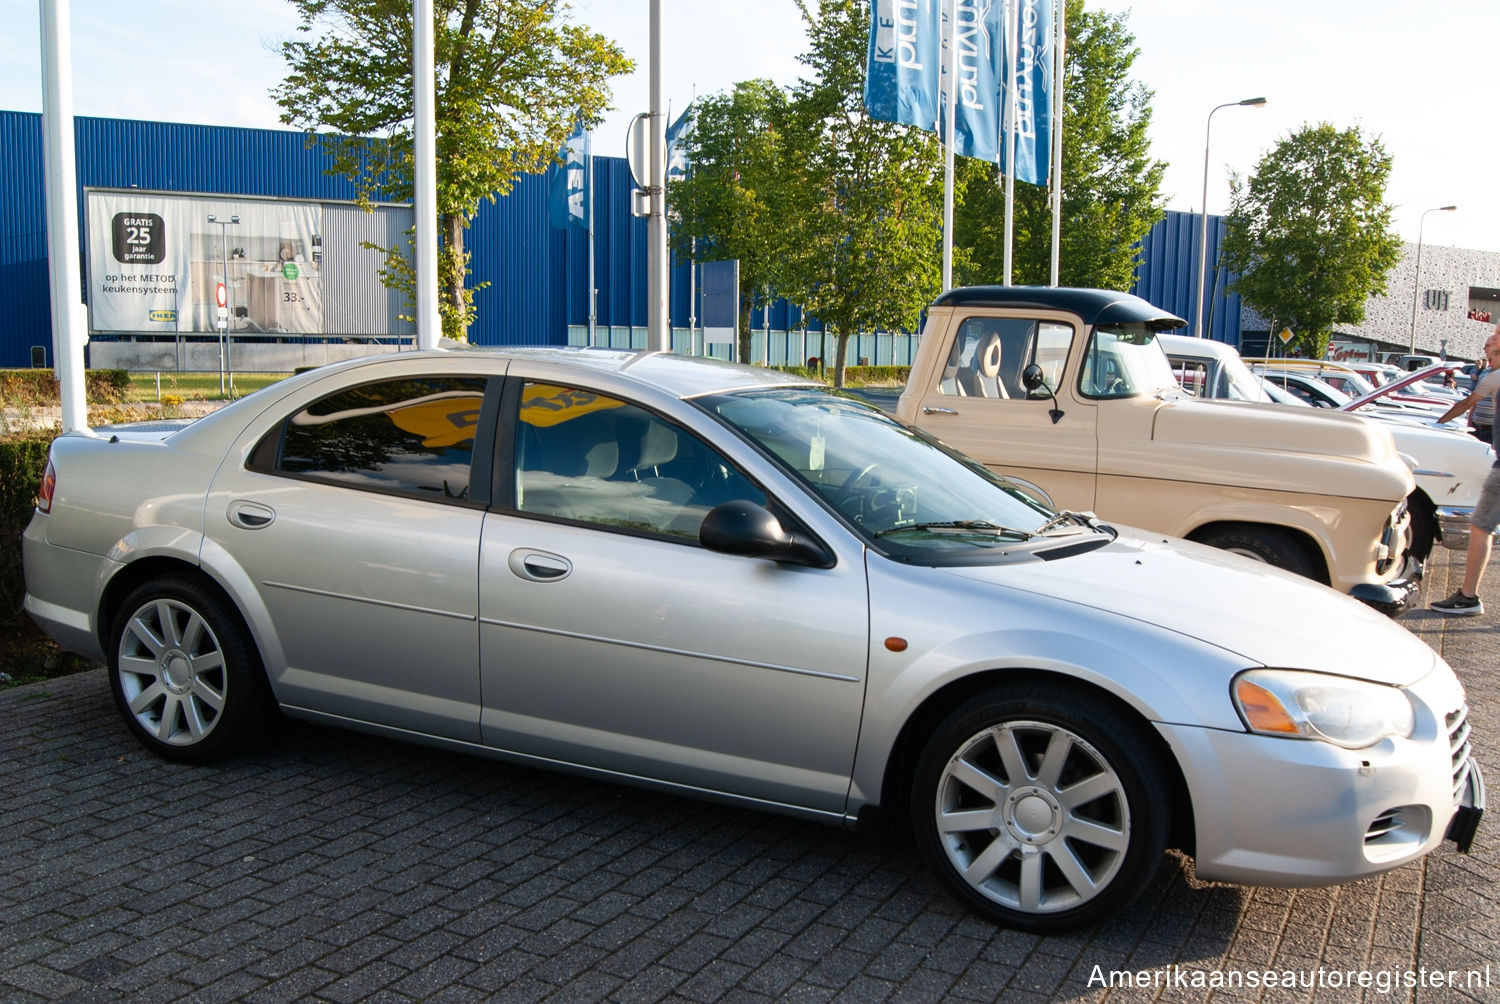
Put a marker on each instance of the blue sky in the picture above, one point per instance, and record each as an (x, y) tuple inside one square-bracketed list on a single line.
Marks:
[(1418, 76)]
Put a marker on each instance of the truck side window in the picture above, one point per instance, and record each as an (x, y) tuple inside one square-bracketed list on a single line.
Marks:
[(989, 353), (1052, 343)]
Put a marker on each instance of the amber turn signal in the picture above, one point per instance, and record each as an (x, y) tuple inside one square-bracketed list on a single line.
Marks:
[(896, 644), (1263, 712)]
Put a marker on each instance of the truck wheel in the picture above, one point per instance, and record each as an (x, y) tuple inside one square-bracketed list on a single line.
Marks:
[(185, 672), (1042, 807), (1272, 545)]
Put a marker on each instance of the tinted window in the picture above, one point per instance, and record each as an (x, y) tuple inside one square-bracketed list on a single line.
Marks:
[(410, 436), (583, 456)]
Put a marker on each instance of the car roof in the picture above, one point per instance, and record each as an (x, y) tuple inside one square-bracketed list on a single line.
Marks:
[(1094, 306)]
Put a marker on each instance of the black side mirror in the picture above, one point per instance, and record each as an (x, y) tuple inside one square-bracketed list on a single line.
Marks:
[(744, 528), (1033, 380)]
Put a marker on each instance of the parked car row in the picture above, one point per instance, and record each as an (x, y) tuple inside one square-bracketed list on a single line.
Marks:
[(733, 584)]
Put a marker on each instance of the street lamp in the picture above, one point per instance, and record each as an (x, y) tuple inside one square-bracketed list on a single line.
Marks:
[(1203, 206), (224, 226), (1416, 281)]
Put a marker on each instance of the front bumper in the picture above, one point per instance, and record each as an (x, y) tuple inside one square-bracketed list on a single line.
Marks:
[(1290, 812), (1453, 525), (1395, 597)]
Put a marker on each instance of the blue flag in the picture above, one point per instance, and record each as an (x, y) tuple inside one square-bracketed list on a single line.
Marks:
[(1031, 66), (905, 55), (677, 136), (978, 31), (568, 201)]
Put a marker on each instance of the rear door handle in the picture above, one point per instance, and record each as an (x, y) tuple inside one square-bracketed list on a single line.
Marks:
[(539, 566), (932, 410), (250, 515)]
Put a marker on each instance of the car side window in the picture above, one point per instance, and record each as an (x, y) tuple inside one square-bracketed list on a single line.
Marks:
[(988, 355), (410, 437), (596, 459)]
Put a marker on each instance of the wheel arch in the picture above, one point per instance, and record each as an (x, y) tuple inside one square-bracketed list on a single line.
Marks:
[(230, 586), (902, 761), (1311, 546)]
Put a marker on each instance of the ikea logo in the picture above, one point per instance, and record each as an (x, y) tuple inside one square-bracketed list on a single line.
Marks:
[(162, 316)]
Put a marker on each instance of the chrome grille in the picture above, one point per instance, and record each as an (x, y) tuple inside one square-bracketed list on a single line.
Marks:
[(1458, 748)]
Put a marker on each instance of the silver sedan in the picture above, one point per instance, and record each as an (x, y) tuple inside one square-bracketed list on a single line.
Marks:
[(722, 582)]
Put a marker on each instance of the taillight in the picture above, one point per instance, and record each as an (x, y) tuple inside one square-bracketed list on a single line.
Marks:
[(49, 485)]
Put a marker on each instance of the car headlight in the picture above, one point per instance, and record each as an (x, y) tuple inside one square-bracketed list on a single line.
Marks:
[(1302, 705)]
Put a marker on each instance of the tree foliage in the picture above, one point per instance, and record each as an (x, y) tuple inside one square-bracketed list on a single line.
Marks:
[(1111, 186), (730, 204), (514, 78), (1310, 232), (863, 216)]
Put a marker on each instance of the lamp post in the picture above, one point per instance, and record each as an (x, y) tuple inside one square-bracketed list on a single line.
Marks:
[(224, 226), (1416, 281), (1203, 206)]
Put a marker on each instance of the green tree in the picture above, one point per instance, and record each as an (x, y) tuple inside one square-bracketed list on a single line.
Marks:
[(1310, 232), (514, 78), (863, 198), (729, 205), (1111, 185)]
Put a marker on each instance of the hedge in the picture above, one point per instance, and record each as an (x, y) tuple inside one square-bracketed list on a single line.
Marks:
[(40, 387), (23, 460)]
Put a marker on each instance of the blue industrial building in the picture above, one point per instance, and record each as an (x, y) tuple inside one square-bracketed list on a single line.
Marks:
[(536, 274)]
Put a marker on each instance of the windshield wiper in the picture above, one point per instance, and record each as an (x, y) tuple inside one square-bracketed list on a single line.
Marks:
[(1084, 519), (960, 526)]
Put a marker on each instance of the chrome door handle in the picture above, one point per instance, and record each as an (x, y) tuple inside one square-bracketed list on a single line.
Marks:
[(539, 566), (931, 410), (250, 515)]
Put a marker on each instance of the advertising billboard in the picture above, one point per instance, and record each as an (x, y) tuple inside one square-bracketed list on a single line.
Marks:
[(160, 263)]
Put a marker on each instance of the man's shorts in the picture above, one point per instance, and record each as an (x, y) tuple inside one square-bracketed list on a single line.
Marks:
[(1487, 509)]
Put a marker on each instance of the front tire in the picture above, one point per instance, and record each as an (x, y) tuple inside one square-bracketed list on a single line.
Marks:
[(1272, 545), (1044, 808), (185, 672)]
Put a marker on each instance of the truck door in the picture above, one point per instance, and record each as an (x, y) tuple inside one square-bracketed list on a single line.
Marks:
[(975, 402)]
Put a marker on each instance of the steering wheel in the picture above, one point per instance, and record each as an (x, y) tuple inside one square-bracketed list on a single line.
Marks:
[(851, 483)]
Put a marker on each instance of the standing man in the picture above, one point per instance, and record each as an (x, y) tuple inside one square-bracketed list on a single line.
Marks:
[(1487, 512)]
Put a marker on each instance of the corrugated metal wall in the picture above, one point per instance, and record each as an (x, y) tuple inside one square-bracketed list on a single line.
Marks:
[(1166, 273), (534, 278), (348, 266)]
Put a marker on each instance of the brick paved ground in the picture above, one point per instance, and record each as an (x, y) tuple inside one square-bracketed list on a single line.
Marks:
[(342, 868)]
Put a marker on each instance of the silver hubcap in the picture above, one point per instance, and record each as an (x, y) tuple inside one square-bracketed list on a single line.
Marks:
[(1245, 552), (1033, 817), (171, 672)]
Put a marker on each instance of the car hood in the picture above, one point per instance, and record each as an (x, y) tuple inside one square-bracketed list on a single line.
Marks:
[(1285, 448), (1263, 614)]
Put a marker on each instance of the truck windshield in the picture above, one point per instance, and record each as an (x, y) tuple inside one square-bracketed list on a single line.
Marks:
[(1125, 360)]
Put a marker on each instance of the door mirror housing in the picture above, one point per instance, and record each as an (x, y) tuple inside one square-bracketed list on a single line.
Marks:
[(741, 527), (1034, 380)]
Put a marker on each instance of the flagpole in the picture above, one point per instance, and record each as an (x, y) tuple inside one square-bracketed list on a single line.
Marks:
[(588, 155), (1009, 132), (1059, 51), (950, 61)]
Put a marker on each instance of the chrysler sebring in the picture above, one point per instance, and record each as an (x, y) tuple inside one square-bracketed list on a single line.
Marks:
[(724, 582)]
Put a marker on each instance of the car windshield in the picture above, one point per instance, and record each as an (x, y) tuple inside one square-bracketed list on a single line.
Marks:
[(1125, 360), (1237, 383), (904, 491)]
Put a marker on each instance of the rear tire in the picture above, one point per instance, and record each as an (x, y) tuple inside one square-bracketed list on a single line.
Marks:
[(185, 672), (1042, 807), (1272, 545)]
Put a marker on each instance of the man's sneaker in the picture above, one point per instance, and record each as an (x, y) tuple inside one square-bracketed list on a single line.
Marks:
[(1458, 603)]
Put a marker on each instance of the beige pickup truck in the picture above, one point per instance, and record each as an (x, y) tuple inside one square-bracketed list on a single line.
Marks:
[(1068, 389)]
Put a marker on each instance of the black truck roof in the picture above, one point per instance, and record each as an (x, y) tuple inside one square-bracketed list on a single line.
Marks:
[(1094, 306)]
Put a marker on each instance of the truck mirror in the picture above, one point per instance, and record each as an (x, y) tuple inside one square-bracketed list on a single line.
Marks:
[(1033, 380)]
